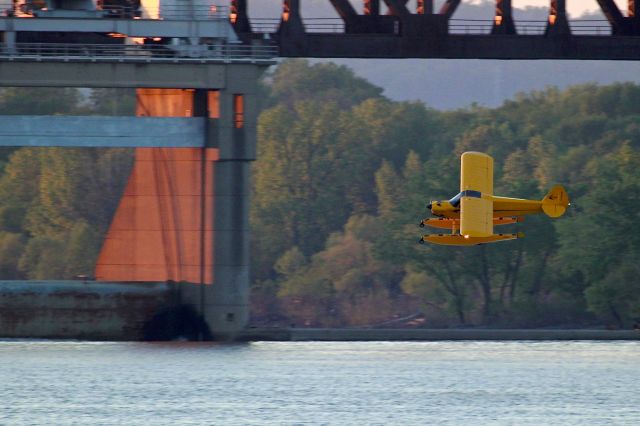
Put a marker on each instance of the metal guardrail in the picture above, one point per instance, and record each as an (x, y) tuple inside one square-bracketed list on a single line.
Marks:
[(137, 53), (195, 12), (312, 25), (528, 27), (456, 26), (331, 25), (264, 25)]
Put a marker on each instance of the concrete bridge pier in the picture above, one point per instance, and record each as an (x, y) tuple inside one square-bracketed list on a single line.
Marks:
[(232, 131), (225, 304), (184, 214)]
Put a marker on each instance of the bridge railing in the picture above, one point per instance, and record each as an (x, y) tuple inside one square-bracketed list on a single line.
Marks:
[(311, 25), (529, 27), (137, 53), (197, 12), (456, 26)]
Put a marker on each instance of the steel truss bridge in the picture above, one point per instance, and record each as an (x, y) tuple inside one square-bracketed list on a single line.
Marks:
[(414, 29), (408, 29)]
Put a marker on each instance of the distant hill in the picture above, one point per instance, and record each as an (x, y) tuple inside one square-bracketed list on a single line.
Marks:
[(450, 84)]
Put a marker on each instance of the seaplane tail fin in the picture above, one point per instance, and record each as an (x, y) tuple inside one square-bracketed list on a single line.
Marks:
[(555, 203)]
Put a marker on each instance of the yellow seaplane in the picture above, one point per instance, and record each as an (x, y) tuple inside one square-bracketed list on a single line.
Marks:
[(474, 211)]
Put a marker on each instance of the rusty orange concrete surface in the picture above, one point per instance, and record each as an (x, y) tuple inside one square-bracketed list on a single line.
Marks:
[(158, 229)]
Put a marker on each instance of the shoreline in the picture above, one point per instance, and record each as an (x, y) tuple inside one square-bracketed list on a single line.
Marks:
[(429, 335)]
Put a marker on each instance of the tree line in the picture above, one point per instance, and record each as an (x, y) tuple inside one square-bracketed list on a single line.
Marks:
[(56, 204), (344, 174), (342, 179)]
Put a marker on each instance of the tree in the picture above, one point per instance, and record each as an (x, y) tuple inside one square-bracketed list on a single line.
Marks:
[(399, 204), (300, 173), (60, 203), (602, 250), (43, 258), (617, 296), (112, 101), (344, 283), (297, 80), (11, 248), (40, 101)]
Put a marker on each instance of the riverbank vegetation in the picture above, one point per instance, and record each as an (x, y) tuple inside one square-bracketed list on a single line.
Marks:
[(341, 182)]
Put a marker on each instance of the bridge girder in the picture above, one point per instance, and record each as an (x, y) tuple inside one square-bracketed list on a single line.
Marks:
[(503, 20), (401, 33), (421, 33)]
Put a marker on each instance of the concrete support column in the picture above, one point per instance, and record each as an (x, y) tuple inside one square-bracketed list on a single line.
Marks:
[(503, 20), (10, 41), (233, 133), (558, 24), (8, 37)]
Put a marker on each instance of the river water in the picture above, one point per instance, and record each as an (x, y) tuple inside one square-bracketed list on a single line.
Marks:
[(379, 383)]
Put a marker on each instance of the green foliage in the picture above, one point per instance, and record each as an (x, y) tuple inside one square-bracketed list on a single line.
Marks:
[(113, 101), (82, 247), (616, 297), (298, 174), (11, 248), (344, 282), (398, 157), (319, 147), (43, 258), (56, 203), (40, 101), (60, 201), (290, 263), (297, 80), (598, 244)]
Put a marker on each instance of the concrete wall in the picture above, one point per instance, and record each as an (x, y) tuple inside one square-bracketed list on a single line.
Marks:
[(81, 309)]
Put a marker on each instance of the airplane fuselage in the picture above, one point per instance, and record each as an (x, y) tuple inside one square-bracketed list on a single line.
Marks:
[(502, 206)]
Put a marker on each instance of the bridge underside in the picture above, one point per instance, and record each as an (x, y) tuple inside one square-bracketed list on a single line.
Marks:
[(462, 47)]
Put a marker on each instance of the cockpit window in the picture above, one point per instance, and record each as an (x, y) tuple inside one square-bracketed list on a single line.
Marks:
[(455, 201)]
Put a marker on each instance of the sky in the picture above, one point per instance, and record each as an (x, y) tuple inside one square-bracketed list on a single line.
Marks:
[(574, 7), (449, 84)]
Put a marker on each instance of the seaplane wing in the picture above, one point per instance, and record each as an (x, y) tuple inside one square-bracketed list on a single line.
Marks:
[(476, 191), (472, 214)]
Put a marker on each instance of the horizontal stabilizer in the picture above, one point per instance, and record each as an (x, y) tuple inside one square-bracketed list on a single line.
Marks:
[(460, 240)]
